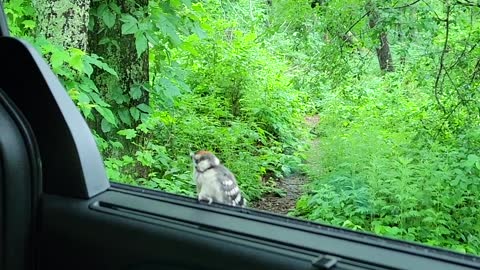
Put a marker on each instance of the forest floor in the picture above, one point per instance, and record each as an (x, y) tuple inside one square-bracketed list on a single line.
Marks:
[(292, 186)]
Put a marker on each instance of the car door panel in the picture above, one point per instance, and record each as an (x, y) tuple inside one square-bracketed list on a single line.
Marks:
[(118, 229)]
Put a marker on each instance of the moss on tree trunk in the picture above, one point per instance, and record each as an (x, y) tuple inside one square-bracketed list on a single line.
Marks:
[(63, 22), (120, 53)]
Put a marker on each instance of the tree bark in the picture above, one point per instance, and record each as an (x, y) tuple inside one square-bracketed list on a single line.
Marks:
[(120, 53), (384, 55), (63, 22)]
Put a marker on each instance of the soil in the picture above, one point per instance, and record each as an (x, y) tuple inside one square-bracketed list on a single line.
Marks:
[(274, 203), (292, 186)]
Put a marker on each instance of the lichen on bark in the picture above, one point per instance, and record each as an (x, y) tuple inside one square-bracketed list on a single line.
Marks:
[(63, 22)]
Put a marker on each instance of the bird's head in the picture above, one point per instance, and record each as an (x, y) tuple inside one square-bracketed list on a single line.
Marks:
[(204, 160)]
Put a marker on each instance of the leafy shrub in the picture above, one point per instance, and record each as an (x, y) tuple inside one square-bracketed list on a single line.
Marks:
[(377, 171), (237, 101)]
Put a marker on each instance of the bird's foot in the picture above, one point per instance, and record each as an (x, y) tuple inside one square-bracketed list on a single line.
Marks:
[(207, 200)]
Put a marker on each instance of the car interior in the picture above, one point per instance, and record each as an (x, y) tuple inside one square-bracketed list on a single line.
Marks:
[(58, 209)]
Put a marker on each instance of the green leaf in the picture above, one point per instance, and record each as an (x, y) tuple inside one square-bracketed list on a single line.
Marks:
[(392, 231), (152, 39), (117, 94), (199, 31), (58, 58), (106, 127), (144, 108), (129, 25), (144, 117), (175, 3), (125, 116), (29, 24), (87, 112), (101, 9), (115, 7), (76, 59), (136, 92), (109, 18), (141, 43), (94, 60), (84, 98), (87, 85), (198, 7), (76, 63), (145, 26), (168, 29), (87, 68), (104, 40), (98, 100), (91, 23), (107, 115), (190, 46), (171, 90), (128, 133), (428, 219), (117, 145), (108, 69), (455, 182), (135, 113)]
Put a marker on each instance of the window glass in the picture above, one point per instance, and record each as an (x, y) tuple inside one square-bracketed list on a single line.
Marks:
[(360, 114)]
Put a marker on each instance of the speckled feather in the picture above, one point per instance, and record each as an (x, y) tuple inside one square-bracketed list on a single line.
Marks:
[(215, 183)]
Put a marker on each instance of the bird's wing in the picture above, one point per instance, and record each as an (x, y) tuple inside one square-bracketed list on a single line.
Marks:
[(231, 190)]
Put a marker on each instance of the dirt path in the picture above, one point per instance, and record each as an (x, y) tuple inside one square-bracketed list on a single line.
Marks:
[(292, 186)]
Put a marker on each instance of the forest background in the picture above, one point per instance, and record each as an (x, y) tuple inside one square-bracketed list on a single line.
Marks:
[(393, 88)]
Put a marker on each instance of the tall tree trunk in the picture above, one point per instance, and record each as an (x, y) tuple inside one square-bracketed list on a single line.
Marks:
[(126, 92), (63, 22), (383, 51), (120, 53), (383, 54)]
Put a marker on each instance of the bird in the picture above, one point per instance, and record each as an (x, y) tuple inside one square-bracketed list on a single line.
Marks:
[(214, 181)]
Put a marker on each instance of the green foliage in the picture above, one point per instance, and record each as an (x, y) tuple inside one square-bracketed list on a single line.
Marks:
[(227, 94), (206, 76), (246, 91), (378, 169), (74, 68), (396, 153), (21, 17)]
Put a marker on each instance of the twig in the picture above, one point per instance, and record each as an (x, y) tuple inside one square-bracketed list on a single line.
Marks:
[(433, 10), (444, 51), (476, 69), (446, 118), (356, 22), (467, 3), (464, 52), (457, 89), (404, 6)]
